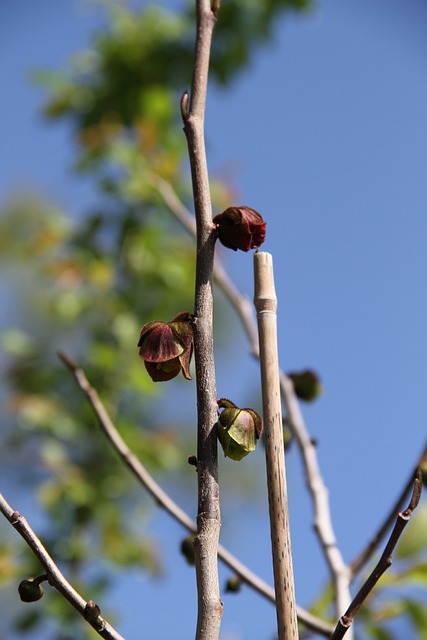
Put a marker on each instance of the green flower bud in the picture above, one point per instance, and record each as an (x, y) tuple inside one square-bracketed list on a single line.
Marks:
[(307, 384), (233, 584), (187, 549), (237, 429), (30, 589), (287, 436)]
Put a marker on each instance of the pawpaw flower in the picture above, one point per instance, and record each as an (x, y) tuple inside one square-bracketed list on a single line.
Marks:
[(237, 429), (167, 347), (240, 228)]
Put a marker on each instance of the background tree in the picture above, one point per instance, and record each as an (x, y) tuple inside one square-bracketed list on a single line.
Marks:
[(85, 275)]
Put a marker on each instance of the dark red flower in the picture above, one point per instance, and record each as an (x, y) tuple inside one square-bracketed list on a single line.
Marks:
[(166, 347), (240, 228)]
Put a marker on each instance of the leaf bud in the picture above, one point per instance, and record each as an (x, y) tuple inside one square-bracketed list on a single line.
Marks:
[(240, 228), (92, 612), (237, 429), (307, 385), (167, 347)]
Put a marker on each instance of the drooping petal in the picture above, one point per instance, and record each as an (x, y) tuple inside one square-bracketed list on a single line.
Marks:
[(161, 372), (182, 327), (185, 359), (159, 344), (166, 347)]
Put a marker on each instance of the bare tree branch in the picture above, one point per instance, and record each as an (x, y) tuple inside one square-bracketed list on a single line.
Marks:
[(164, 500), (88, 610), (384, 563), (266, 304), (360, 561), (320, 498), (314, 480), (208, 514)]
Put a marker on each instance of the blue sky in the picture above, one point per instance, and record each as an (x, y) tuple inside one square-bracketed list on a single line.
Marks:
[(325, 134)]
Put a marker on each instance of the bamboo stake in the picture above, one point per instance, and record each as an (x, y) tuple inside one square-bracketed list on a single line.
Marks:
[(266, 304)]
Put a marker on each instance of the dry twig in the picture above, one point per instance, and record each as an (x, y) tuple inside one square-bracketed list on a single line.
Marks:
[(88, 610), (384, 563), (360, 561), (164, 500)]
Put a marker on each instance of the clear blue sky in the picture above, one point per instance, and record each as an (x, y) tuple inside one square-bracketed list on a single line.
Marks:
[(326, 135)]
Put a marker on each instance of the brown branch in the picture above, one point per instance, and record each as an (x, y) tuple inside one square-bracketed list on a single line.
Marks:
[(163, 500), (320, 497), (240, 303), (360, 561), (88, 610), (266, 304), (384, 563), (314, 480), (208, 513)]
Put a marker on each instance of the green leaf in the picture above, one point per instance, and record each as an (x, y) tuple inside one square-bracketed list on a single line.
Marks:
[(413, 540), (417, 612), (16, 342), (377, 633)]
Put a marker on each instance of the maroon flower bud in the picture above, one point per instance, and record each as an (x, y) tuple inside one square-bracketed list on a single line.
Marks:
[(240, 228), (166, 347), (237, 429), (307, 385)]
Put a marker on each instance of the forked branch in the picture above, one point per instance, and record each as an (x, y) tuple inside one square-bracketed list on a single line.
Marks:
[(88, 610), (163, 499), (364, 556), (384, 563)]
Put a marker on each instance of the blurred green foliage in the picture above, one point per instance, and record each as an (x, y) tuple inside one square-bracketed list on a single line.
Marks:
[(85, 286)]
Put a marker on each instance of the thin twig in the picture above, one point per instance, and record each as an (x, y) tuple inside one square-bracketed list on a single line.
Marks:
[(164, 500), (384, 563), (320, 497), (266, 304), (314, 480), (88, 610), (208, 513), (360, 561)]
